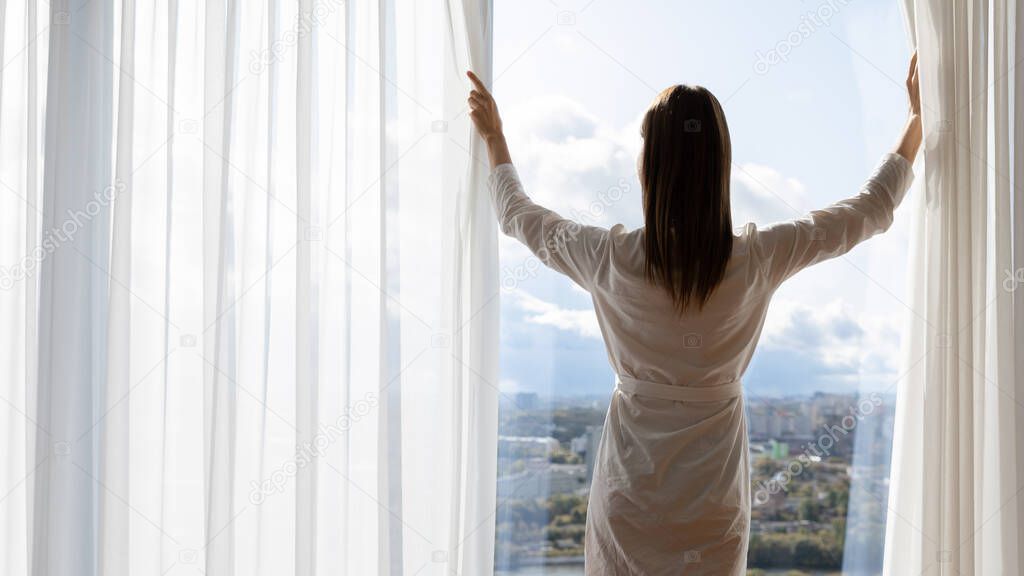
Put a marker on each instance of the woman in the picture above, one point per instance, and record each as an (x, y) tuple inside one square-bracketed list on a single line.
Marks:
[(681, 303)]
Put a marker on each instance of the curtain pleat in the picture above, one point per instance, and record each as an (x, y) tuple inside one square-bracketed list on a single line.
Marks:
[(263, 378), (30, 342), (73, 287), (19, 217), (366, 496), (390, 478), (115, 427), (998, 471), (220, 321), (163, 422), (307, 343), (1014, 13)]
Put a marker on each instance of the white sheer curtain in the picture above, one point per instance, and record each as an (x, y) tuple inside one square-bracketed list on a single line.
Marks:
[(249, 289), (955, 503)]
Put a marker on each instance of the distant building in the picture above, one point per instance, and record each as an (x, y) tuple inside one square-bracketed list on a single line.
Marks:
[(527, 445), (567, 478), (527, 400), (779, 450), (542, 480), (593, 436), (578, 445), (796, 420)]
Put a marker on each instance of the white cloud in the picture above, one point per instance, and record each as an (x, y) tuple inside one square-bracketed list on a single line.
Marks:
[(582, 322), (509, 386), (556, 119), (568, 156), (834, 335), (762, 194)]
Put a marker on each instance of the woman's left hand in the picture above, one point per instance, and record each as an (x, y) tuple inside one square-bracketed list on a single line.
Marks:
[(484, 110)]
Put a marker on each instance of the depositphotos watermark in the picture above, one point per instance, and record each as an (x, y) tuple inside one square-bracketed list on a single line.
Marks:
[(306, 453), (811, 22), (56, 237), (818, 450), (1013, 279), (512, 276), (304, 24)]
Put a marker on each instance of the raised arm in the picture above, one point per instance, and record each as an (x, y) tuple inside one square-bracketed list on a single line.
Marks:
[(572, 248), (788, 247)]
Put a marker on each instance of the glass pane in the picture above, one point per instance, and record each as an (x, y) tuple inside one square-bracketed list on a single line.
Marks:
[(814, 95)]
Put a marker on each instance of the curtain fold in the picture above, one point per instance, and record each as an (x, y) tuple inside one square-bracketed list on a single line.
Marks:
[(954, 504), (253, 264), (24, 43)]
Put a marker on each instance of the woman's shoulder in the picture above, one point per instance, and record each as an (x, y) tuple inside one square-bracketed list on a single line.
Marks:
[(760, 241), (620, 236), (743, 237), (744, 230), (624, 239)]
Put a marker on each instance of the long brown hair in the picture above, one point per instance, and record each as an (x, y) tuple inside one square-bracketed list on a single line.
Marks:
[(684, 171)]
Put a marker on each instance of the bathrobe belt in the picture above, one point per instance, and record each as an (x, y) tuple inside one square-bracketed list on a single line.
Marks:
[(712, 393)]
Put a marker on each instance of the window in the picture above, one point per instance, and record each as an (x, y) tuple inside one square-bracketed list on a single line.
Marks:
[(814, 95)]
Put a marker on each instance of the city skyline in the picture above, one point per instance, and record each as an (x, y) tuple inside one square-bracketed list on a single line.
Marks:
[(805, 455)]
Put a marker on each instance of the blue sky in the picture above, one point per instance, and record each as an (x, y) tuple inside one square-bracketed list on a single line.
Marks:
[(813, 91)]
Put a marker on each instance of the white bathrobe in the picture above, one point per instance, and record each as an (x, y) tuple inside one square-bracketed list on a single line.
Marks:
[(671, 487)]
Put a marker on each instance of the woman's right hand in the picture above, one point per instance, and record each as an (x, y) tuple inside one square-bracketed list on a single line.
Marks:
[(911, 140), (914, 87)]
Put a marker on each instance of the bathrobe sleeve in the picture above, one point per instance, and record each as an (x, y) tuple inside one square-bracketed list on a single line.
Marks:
[(788, 247), (569, 247)]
